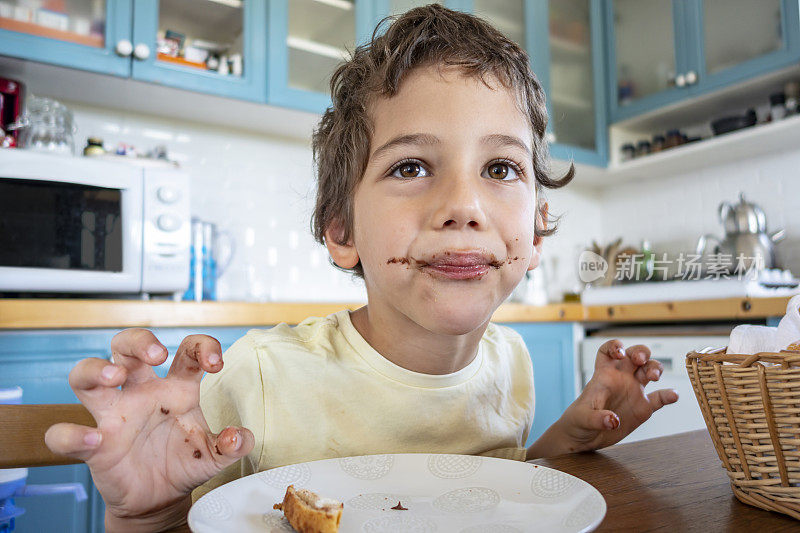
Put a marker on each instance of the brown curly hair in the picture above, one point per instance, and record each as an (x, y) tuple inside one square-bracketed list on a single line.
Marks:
[(429, 35)]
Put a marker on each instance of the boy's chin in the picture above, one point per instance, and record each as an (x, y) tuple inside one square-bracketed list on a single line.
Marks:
[(448, 319)]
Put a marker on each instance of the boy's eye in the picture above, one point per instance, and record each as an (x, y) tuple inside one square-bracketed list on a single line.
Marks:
[(409, 169), (502, 172)]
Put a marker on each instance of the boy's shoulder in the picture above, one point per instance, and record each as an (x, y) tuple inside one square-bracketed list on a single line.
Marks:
[(500, 335)]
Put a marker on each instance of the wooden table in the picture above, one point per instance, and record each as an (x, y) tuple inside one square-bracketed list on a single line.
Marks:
[(674, 483)]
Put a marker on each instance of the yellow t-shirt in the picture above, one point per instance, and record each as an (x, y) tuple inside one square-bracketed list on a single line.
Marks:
[(319, 390)]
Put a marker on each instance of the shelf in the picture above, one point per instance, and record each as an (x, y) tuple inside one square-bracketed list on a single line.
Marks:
[(30, 28), (565, 46), (734, 146), (574, 102), (312, 47)]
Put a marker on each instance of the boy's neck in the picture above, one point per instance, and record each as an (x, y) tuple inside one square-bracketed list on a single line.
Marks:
[(407, 344)]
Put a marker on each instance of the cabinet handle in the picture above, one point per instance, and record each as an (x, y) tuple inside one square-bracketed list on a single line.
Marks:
[(141, 52), (680, 80), (124, 48), (691, 77)]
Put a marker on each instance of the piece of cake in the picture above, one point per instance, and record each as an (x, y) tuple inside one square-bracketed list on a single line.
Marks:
[(307, 512)]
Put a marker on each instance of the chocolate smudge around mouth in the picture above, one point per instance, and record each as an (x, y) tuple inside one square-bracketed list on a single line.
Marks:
[(400, 260), (165, 411), (493, 261), (196, 454), (399, 507)]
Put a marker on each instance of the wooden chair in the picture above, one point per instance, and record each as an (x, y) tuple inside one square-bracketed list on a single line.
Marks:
[(22, 443)]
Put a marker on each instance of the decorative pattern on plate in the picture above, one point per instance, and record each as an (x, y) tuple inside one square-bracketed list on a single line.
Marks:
[(276, 523), (376, 501), (453, 466), (400, 524), (214, 506), (467, 500), (585, 512), (491, 528), (284, 476), (367, 467), (551, 483)]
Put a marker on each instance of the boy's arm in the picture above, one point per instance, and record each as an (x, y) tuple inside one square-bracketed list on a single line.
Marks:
[(611, 405)]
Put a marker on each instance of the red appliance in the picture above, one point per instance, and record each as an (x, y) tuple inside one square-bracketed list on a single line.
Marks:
[(12, 94)]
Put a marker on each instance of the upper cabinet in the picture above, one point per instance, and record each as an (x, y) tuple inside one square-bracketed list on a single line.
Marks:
[(660, 52), (307, 41), (564, 40), (211, 46), (77, 33)]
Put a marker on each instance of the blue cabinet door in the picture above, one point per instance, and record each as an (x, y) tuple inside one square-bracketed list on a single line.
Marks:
[(552, 350), (250, 85), (85, 43), (781, 25), (303, 55), (676, 48), (538, 41)]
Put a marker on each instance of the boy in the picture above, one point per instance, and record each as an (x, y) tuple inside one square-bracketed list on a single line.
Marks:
[(430, 164)]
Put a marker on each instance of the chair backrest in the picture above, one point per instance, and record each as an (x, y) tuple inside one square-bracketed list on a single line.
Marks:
[(22, 429)]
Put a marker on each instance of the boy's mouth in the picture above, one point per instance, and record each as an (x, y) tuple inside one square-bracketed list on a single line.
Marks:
[(455, 265)]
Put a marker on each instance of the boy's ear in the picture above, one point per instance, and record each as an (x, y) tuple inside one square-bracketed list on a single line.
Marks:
[(344, 255), (541, 222)]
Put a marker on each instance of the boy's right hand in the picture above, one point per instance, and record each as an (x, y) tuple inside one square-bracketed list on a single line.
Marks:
[(152, 445)]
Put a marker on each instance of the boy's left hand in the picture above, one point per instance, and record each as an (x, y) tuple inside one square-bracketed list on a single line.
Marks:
[(614, 402)]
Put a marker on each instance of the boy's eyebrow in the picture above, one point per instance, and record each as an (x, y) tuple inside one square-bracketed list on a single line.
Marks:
[(496, 139), (411, 138)]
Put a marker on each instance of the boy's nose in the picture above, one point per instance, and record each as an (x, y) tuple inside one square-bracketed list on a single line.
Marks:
[(459, 205)]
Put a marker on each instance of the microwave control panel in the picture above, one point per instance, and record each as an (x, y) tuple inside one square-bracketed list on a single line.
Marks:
[(167, 231)]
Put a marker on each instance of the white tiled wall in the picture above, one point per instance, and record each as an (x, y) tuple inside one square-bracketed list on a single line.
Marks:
[(258, 188), (672, 213)]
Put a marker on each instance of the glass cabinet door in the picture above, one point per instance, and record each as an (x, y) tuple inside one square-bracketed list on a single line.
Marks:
[(321, 36), (74, 33), (214, 46), (644, 48), (508, 16), (572, 84)]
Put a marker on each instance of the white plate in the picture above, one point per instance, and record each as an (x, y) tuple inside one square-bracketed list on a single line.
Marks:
[(443, 493)]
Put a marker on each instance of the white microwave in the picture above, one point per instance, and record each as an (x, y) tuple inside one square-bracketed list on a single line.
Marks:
[(81, 225)]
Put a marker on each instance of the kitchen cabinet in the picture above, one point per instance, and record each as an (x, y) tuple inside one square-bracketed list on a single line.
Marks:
[(84, 36), (553, 350), (40, 362), (211, 46), (565, 42), (662, 52), (307, 40)]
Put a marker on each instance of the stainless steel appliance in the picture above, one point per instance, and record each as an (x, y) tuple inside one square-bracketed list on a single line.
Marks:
[(745, 236), (79, 225)]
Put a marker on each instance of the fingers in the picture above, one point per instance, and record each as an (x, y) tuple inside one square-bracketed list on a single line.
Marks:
[(638, 354), (650, 371), (138, 350), (95, 381), (610, 351), (196, 354), (73, 440), (661, 397), (232, 443), (601, 420)]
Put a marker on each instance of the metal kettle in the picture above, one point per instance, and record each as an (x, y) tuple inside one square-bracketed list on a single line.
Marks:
[(745, 237)]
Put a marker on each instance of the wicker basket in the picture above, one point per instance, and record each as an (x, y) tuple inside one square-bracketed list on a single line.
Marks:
[(751, 405)]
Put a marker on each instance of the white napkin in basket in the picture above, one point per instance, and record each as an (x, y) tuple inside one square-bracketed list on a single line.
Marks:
[(747, 339)]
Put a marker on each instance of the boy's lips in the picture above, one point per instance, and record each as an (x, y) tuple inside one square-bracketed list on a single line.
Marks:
[(459, 265)]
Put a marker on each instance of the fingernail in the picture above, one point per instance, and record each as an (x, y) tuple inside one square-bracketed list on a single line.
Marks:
[(155, 351), (109, 372), (621, 352), (93, 439), (236, 441), (214, 359), (611, 422)]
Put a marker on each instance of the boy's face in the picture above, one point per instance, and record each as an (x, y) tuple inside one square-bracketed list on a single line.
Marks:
[(444, 215)]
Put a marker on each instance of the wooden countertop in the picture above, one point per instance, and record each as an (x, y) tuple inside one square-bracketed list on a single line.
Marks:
[(674, 483), (68, 313)]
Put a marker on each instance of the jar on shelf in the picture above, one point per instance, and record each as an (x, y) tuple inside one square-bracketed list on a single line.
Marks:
[(627, 152), (642, 148), (94, 146), (658, 143)]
